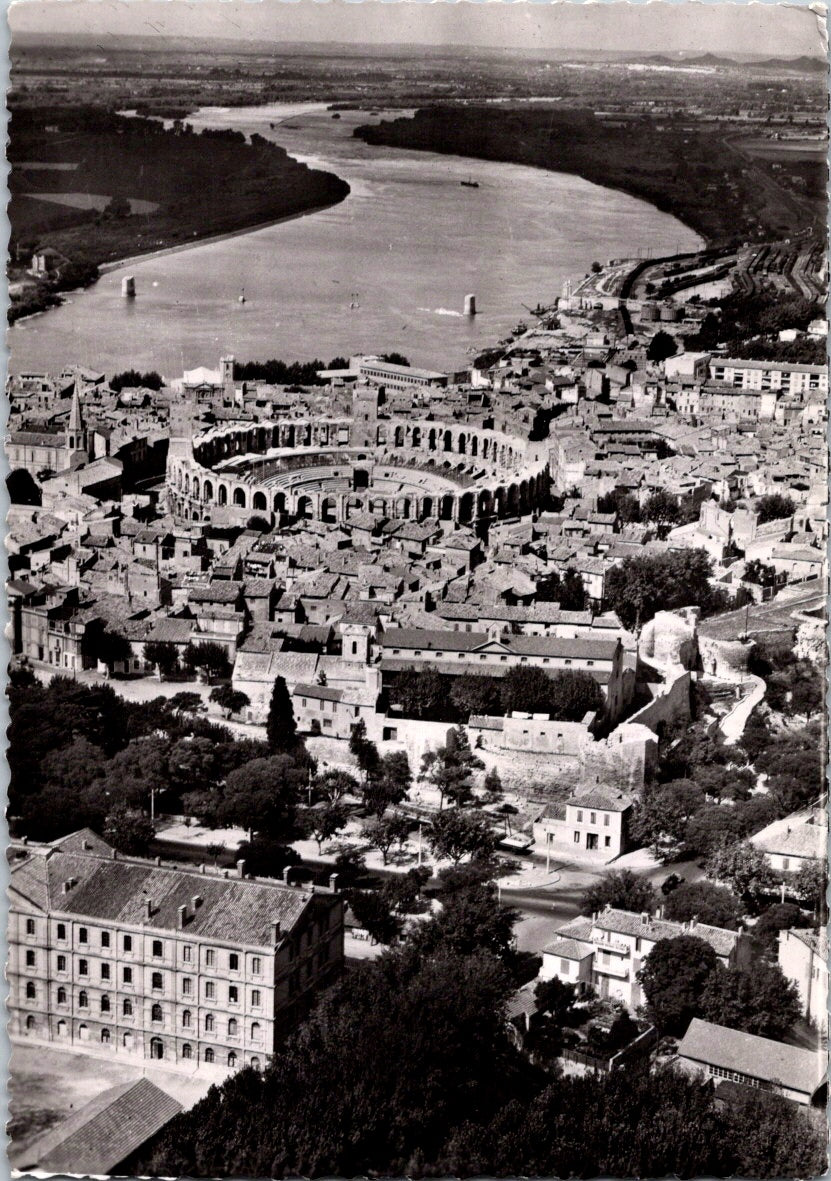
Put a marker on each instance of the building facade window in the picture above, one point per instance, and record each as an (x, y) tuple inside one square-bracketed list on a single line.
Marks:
[(156, 1013), (61, 963), (83, 1000), (156, 982), (233, 962), (209, 1054), (209, 1023), (210, 958), (255, 998), (83, 935), (30, 959), (127, 1007), (30, 926), (158, 949), (233, 994), (31, 992), (83, 967), (62, 931), (210, 990), (105, 939), (61, 996), (105, 1004)]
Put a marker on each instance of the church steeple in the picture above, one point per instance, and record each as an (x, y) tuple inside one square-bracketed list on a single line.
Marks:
[(76, 433)]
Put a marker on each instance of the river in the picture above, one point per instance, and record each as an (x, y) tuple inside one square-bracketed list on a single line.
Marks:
[(386, 269)]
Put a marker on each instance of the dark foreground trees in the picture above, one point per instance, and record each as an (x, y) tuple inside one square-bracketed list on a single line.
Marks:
[(407, 1068)]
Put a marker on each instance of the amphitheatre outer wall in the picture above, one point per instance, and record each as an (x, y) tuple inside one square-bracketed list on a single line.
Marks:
[(329, 469)]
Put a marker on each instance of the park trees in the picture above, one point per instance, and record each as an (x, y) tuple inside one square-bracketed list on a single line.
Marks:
[(744, 869), (475, 696), (383, 832), (129, 830), (450, 768), (622, 890), (108, 647), (263, 796), (421, 694), (455, 834), (323, 821), (374, 913), (662, 817), (334, 784), (673, 977), (365, 751), (280, 727)]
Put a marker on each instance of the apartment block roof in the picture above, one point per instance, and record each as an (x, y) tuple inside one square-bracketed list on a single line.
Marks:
[(135, 893)]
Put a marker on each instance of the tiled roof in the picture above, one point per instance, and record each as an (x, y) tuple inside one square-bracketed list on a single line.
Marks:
[(569, 949), (760, 1057), (627, 922), (232, 909), (104, 1132)]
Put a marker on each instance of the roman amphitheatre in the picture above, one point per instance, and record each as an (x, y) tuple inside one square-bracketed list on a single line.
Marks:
[(330, 470)]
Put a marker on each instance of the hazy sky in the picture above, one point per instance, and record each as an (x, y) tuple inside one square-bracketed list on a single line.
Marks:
[(775, 29)]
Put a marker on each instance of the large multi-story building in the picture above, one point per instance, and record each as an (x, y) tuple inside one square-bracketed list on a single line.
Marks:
[(162, 962), (770, 375), (803, 957)]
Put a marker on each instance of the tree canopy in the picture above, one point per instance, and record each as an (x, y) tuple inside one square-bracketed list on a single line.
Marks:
[(622, 890)]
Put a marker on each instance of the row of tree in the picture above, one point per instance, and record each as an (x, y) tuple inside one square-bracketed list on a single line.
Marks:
[(566, 696)]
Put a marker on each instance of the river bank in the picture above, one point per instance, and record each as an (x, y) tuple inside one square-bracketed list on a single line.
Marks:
[(205, 186), (386, 268), (691, 173)]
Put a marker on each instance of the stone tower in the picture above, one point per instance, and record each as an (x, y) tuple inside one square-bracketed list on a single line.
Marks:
[(76, 431)]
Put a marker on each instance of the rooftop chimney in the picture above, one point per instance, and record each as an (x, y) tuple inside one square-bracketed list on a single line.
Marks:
[(286, 872), (203, 868), (87, 845), (115, 854), (68, 884), (693, 922), (196, 901), (645, 917), (333, 882), (149, 907), (225, 873), (241, 868), (275, 928), (158, 861), (183, 915)]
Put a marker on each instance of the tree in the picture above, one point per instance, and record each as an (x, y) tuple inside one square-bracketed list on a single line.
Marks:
[(109, 648), (365, 752), (663, 510), (387, 782), (395, 358), (760, 1001), (644, 584), (132, 379), (744, 869), (323, 821), (193, 763), (782, 916), (810, 885), (403, 890), (215, 850), (455, 834), (374, 913), (129, 830), (383, 832), (333, 785), (280, 727), (566, 696), (713, 905), (23, 488), (622, 890), (229, 699), (673, 977), (471, 920), (774, 507), (209, 657), (661, 347), (263, 796), (662, 817), (449, 768), (478, 696), (557, 998), (493, 790), (624, 504), (258, 524), (162, 655), (421, 694), (186, 703)]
